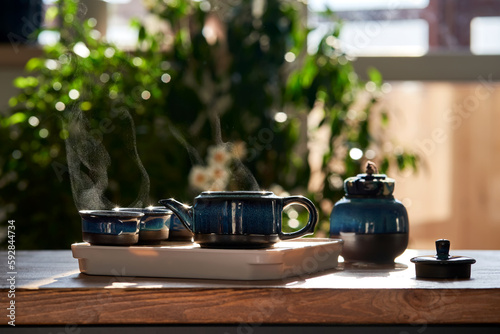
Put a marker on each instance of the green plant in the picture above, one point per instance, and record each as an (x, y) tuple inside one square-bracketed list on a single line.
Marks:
[(211, 74)]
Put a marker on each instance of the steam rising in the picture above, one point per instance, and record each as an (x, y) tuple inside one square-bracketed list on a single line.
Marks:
[(240, 176), (89, 162)]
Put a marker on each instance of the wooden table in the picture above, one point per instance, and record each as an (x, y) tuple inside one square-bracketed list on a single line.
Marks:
[(50, 290)]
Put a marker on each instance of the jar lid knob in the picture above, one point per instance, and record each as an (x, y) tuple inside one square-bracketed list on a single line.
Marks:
[(442, 249), (371, 168), (371, 184)]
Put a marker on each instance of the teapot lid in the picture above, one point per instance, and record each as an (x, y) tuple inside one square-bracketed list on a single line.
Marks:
[(443, 265), (370, 184)]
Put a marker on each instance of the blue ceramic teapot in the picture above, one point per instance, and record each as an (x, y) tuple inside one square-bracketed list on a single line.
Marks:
[(240, 219), (373, 225)]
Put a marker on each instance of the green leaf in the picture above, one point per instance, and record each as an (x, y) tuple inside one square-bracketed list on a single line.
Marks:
[(375, 76), (401, 161), (25, 82), (34, 64), (13, 101), (142, 34), (51, 13), (18, 117), (135, 23), (385, 119), (384, 166)]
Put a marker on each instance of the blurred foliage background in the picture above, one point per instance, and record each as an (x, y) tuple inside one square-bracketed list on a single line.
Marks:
[(205, 74)]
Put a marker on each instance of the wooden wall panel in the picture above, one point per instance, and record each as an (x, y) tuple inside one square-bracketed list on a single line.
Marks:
[(455, 127)]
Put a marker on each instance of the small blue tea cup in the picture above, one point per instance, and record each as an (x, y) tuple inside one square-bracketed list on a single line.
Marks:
[(108, 227), (240, 219), (154, 225)]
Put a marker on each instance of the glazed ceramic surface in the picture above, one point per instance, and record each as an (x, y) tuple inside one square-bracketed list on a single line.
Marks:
[(369, 216), (110, 227), (154, 218), (154, 224), (240, 218), (178, 232), (373, 225), (373, 229), (443, 265)]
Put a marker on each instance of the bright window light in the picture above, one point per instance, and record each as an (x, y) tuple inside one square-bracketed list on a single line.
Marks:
[(338, 5), (386, 38), (378, 38), (120, 13), (122, 36), (484, 35)]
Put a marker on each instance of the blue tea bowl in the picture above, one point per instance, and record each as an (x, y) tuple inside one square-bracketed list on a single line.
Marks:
[(154, 224), (109, 227)]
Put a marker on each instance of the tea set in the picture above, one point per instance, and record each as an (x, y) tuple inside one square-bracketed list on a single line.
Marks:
[(222, 219), (372, 225)]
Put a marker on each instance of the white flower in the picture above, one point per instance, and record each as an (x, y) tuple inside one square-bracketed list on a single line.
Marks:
[(219, 173), (199, 177), (239, 150), (218, 155), (216, 175)]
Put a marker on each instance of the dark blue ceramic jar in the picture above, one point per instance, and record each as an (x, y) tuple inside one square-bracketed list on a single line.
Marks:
[(373, 225)]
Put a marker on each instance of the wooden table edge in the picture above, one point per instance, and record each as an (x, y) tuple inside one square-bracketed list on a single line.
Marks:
[(155, 306)]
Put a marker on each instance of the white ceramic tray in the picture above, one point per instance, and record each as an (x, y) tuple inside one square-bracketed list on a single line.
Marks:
[(188, 260)]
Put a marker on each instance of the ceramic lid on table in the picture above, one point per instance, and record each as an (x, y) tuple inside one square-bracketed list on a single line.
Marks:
[(443, 265)]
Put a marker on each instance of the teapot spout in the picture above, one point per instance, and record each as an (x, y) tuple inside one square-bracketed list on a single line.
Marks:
[(182, 211)]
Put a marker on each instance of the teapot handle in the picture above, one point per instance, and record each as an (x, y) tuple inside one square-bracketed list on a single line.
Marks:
[(313, 216)]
